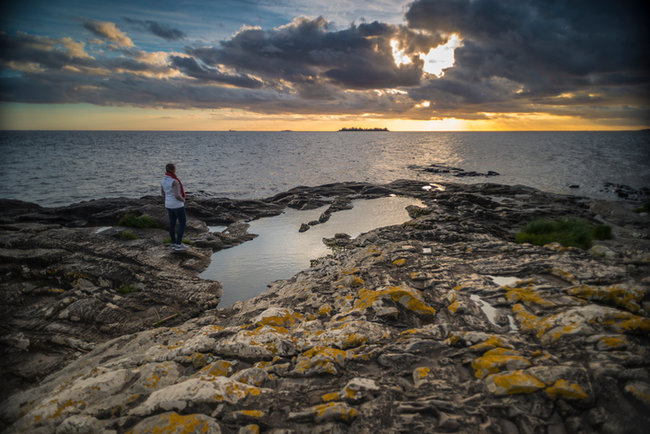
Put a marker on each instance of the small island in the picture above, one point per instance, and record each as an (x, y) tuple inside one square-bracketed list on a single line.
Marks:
[(363, 129)]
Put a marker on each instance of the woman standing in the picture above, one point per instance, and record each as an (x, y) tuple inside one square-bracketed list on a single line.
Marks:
[(174, 194)]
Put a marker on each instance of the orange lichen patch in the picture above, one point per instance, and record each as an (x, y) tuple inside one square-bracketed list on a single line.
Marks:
[(408, 297), (330, 397), (628, 298), (399, 262), (333, 353), (353, 340), (334, 410), (418, 275), (632, 323), (66, 407), (320, 360), (510, 383), (565, 275), (568, 329), (566, 390), (491, 343), (235, 389), (254, 414), (220, 368), (530, 322), (640, 391), (354, 270), (494, 360), (527, 295), (282, 319), (324, 310), (181, 424), (613, 342), (458, 288), (453, 307), (421, 372)]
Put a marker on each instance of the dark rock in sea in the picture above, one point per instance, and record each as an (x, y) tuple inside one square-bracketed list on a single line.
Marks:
[(452, 171), (626, 192), (443, 323), (574, 186)]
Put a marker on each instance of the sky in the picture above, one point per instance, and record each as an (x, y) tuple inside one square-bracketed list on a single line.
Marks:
[(320, 65)]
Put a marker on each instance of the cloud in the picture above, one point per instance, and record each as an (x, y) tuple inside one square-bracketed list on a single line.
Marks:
[(359, 57), (108, 30), (192, 68), (520, 55), (161, 30), (585, 59)]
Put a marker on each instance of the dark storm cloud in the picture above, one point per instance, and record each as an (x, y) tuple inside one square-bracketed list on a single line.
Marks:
[(158, 29), (359, 57), (517, 52)]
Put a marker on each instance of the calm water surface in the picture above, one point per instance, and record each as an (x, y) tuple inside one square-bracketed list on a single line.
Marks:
[(280, 251), (59, 167)]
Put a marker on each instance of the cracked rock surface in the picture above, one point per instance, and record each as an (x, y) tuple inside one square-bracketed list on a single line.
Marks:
[(442, 324)]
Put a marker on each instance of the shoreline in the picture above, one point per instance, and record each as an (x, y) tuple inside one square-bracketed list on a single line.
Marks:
[(372, 326)]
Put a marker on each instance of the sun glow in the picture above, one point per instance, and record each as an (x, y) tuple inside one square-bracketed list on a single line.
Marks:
[(435, 61), (442, 57)]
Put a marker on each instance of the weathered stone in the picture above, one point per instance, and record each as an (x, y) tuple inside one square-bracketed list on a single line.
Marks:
[(442, 323)]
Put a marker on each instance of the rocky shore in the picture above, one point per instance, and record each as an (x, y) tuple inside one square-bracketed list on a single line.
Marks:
[(441, 324)]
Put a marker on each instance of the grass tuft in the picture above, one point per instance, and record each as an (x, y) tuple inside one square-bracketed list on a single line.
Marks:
[(569, 232), (141, 222), (126, 235), (127, 289), (643, 208)]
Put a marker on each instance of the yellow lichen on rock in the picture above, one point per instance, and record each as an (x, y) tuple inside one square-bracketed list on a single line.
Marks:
[(324, 310), (530, 322), (526, 295), (563, 389), (421, 372), (334, 411), (408, 297), (510, 383), (494, 360), (399, 262), (565, 275), (619, 295), (328, 397), (640, 391), (176, 423), (491, 343)]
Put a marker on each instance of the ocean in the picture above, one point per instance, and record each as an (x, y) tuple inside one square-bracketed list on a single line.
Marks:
[(54, 168)]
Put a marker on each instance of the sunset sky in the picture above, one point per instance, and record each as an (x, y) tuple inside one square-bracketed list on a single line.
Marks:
[(320, 65)]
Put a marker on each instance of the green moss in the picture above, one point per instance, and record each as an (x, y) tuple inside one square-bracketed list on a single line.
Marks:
[(127, 289), (142, 222), (643, 208), (602, 232), (126, 235), (569, 232)]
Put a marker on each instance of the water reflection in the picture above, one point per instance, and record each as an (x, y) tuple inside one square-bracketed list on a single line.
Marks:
[(280, 251)]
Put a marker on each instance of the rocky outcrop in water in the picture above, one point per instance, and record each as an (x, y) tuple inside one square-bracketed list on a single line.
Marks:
[(440, 324)]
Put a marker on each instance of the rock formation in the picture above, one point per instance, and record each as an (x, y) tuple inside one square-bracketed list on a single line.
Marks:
[(440, 324)]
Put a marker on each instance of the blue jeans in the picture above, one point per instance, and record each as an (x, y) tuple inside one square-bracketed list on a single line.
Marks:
[(177, 214)]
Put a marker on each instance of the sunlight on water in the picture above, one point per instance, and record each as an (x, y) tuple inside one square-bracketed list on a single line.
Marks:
[(280, 251)]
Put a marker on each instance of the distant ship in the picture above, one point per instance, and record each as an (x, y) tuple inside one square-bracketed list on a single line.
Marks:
[(363, 129)]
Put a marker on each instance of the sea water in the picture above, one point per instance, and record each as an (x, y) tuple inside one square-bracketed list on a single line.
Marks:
[(54, 168)]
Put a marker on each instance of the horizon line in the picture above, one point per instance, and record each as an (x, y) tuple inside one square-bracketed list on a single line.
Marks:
[(328, 131)]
